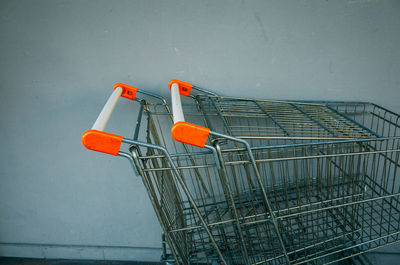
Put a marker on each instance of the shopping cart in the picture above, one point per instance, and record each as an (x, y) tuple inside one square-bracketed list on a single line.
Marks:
[(263, 181)]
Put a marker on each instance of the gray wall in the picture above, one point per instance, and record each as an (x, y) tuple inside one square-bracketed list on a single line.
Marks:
[(59, 60)]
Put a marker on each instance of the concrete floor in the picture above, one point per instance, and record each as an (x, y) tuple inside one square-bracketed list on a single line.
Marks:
[(389, 255), (24, 261)]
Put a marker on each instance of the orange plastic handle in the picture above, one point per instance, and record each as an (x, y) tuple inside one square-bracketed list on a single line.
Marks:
[(102, 142), (184, 88), (189, 133), (127, 91), (106, 142)]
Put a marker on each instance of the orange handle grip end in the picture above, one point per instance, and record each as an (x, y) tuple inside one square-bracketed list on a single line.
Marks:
[(184, 88), (128, 92), (189, 133), (102, 142)]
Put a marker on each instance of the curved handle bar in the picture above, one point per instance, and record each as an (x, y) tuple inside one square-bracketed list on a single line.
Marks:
[(182, 131), (98, 140)]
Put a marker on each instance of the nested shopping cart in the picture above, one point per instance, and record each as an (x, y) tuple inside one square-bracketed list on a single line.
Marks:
[(250, 181)]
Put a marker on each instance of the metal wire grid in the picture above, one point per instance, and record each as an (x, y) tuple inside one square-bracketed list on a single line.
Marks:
[(279, 120), (331, 201)]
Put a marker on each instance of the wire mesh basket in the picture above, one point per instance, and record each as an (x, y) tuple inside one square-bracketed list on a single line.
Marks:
[(262, 181)]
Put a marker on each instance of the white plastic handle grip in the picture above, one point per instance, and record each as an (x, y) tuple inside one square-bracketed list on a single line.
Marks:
[(105, 114), (177, 110)]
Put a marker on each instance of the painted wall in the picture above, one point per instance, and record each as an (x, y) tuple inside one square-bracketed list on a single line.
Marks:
[(59, 60)]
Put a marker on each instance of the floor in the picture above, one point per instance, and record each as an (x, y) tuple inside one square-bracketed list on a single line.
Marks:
[(24, 261), (384, 256)]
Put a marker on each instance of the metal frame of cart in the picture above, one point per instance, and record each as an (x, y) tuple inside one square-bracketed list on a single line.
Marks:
[(263, 181)]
